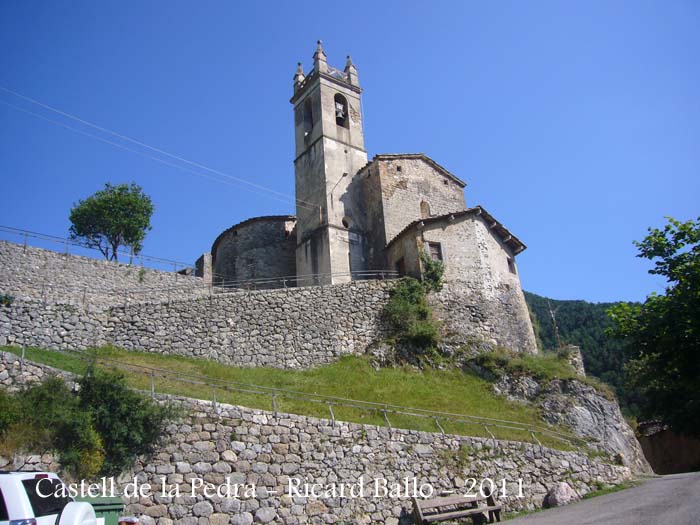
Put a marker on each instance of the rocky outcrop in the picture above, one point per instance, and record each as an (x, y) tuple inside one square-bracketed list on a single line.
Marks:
[(583, 409)]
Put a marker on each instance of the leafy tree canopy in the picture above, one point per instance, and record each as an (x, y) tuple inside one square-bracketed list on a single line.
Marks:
[(662, 335), (115, 216), (585, 325)]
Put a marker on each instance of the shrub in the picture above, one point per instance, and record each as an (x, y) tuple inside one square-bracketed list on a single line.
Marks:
[(410, 317), (129, 423), (9, 411), (99, 431), (433, 273)]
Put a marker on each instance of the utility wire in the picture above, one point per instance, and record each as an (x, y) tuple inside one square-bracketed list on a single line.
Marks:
[(260, 189)]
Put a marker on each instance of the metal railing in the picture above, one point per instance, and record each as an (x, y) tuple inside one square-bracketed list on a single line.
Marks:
[(189, 284), (384, 410)]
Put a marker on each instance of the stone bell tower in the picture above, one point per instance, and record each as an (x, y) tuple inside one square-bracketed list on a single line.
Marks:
[(330, 150)]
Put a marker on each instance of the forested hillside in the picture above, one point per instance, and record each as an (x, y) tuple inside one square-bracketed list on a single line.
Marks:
[(583, 324)]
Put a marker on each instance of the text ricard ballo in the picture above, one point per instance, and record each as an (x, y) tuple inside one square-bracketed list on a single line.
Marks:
[(364, 487)]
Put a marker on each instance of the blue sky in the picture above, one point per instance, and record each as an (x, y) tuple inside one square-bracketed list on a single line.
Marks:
[(576, 124)]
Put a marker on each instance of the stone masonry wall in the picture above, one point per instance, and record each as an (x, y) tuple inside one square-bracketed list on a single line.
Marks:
[(14, 373), (287, 328), (481, 296), (260, 452), (28, 272), (293, 328), (266, 450), (403, 191)]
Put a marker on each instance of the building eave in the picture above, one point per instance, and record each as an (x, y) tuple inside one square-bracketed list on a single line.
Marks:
[(501, 231)]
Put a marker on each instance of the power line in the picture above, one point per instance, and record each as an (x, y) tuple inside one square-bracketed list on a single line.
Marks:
[(252, 186)]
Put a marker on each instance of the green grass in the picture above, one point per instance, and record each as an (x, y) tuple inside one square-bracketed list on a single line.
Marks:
[(544, 366), (351, 377), (609, 489)]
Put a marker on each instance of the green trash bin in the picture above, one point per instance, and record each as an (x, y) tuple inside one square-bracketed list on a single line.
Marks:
[(107, 510)]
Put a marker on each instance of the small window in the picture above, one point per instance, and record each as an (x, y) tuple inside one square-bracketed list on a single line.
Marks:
[(401, 267), (445, 182), (398, 168), (424, 210), (511, 265), (341, 111), (346, 222), (435, 251)]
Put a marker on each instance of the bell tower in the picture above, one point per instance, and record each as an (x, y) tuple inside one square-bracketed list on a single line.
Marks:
[(329, 152)]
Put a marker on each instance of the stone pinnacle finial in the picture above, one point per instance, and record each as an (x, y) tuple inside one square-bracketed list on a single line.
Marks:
[(299, 76), (351, 72), (320, 59)]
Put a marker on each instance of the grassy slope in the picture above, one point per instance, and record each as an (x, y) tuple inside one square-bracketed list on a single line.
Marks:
[(351, 377)]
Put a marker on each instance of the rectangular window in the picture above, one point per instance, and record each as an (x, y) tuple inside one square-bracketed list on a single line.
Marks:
[(511, 265), (435, 251)]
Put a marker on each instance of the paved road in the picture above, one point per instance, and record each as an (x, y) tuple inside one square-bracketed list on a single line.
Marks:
[(673, 499)]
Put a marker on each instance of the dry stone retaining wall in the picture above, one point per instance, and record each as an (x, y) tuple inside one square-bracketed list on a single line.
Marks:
[(287, 328), (253, 447), (260, 451), (293, 328), (53, 277), (16, 373)]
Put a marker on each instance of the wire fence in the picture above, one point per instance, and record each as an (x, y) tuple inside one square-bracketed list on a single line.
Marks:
[(83, 248), (385, 411)]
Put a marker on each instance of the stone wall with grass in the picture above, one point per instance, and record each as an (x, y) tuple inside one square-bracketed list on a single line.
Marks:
[(292, 328), (265, 450), (261, 453), (16, 373), (88, 283)]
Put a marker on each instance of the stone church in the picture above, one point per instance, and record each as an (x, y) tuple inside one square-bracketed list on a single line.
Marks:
[(356, 218)]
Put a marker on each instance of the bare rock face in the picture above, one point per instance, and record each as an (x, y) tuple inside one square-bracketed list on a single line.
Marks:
[(559, 495), (582, 408)]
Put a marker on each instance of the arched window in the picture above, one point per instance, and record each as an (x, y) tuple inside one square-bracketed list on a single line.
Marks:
[(341, 111), (308, 118), (424, 210)]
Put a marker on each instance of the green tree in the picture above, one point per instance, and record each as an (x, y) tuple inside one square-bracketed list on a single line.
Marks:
[(662, 335), (115, 216)]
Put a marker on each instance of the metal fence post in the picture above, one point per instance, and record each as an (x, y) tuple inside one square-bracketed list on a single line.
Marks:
[(153, 385), (21, 362), (386, 418)]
